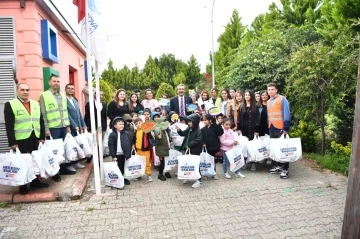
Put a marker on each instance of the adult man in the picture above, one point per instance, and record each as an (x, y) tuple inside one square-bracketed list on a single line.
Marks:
[(85, 91), (24, 127), (178, 103), (77, 123), (102, 108), (53, 107), (279, 122)]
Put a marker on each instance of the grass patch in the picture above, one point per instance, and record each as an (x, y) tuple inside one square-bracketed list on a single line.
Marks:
[(4, 204), (334, 162), (90, 209)]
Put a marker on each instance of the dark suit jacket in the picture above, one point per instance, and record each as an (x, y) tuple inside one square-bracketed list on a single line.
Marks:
[(103, 116), (174, 104), (9, 126)]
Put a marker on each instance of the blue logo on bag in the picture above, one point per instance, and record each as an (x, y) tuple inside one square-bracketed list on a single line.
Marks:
[(55, 151), (10, 171), (75, 149), (81, 146), (113, 175)]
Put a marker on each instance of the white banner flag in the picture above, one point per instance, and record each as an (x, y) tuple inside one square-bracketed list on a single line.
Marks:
[(97, 33)]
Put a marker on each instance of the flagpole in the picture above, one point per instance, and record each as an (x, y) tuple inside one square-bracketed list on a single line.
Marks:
[(91, 104), (99, 129)]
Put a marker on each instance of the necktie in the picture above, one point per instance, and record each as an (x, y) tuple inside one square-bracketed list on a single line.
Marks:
[(182, 111)]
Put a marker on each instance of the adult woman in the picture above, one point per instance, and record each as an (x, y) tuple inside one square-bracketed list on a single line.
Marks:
[(264, 129), (258, 98), (149, 102), (233, 108), (225, 97), (249, 118), (134, 104), (194, 101), (118, 107), (215, 100), (203, 99)]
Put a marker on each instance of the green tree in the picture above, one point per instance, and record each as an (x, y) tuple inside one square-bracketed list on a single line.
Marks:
[(107, 89), (193, 74), (109, 74), (150, 74), (179, 79), (165, 88)]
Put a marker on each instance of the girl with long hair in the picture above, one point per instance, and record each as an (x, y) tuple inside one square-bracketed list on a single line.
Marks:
[(225, 97), (233, 108), (134, 104)]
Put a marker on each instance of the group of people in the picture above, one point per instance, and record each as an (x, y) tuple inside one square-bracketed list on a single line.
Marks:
[(28, 123)]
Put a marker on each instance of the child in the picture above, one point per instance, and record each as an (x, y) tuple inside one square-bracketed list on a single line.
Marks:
[(227, 141), (120, 145), (142, 145), (193, 141), (162, 148), (129, 127), (147, 113), (134, 116), (211, 133), (164, 114)]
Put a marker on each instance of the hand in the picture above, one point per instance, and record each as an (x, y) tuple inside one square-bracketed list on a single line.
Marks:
[(283, 132), (84, 129), (13, 147), (204, 145), (41, 141), (114, 159), (256, 134), (47, 133), (133, 147), (77, 129), (159, 136), (238, 132), (235, 142), (68, 129), (177, 127), (152, 134)]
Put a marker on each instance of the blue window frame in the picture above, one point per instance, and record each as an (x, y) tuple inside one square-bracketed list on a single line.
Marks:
[(49, 42)]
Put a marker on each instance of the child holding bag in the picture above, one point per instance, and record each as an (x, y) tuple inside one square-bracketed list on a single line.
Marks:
[(120, 144), (227, 141), (193, 141)]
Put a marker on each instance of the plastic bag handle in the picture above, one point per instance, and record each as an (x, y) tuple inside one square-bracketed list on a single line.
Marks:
[(187, 150), (133, 151), (204, 149)]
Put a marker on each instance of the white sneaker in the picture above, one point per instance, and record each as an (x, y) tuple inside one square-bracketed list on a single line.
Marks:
[(78, 165), (269, 162), (185, 181), (215, 177), (71, 168), (197, 184), (240, 175), (227, 175), (150, 179)]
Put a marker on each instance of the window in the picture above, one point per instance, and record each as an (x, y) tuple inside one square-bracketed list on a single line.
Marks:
[(49, 42)]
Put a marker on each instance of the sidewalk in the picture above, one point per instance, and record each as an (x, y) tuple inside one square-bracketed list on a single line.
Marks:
[(71, 187)]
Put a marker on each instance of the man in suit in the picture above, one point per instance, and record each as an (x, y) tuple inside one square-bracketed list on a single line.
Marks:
[(77, 123), (178, 103), (24, 126)]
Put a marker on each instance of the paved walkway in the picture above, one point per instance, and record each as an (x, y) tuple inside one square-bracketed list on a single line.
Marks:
[(307, 205)]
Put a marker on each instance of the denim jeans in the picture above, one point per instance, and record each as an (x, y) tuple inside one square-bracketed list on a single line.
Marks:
[(226, 162), (58, 133)]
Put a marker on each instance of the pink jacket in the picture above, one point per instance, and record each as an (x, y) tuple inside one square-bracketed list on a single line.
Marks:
[(227, 140)]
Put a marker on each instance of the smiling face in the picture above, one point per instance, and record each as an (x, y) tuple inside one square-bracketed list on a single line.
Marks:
[(121, 95), (257, 97), (224, 95), (264, 97), (23, 91), (70, 90), (148, 95), (134, 98), (247, 96), (239, 97), (232, 94), (54, 83), (181, 90), (272, 91)]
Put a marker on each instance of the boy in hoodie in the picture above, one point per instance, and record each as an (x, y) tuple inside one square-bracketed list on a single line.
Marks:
[(142, 145), (193, 141), (120, 144), (129, 127)]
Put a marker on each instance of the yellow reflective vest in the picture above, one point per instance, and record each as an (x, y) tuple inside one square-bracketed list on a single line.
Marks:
[(53, 115), (25, 123)]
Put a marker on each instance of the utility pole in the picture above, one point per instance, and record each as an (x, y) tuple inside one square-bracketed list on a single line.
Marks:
[(212, 39), (351, 222)]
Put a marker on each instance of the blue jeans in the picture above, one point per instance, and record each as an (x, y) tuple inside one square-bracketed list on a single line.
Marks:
[(58, 133), (226, 162)]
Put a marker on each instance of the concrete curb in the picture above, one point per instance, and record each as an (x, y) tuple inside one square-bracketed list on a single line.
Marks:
[(78, 188)]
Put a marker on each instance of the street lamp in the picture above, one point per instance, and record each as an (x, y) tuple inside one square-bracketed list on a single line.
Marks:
[(212, 38)]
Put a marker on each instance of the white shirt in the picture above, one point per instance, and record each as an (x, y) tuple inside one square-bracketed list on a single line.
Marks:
[(71, 100), (119, 150)]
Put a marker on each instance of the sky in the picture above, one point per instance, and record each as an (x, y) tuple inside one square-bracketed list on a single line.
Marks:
[(139, 28)]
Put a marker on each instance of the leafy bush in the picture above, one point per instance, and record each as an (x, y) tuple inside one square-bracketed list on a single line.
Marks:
[(164, 88), (107, 89), (334, 162), (308, 134), (340, 149)]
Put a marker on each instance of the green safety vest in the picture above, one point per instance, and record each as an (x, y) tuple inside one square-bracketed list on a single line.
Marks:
[(53, 116), (25, 123)]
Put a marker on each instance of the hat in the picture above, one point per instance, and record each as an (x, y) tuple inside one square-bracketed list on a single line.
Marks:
[(138, 120), (153, 114), (221, 114), (117, 119), (127, 117)]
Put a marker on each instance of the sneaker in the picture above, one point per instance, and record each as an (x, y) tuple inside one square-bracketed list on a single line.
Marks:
[(150, 179), (162, 177), (284, 174), (215, 177), (126, 182), (269, 162), (240, 175), (176, 174), (56, 178), (36, 183), (167, 175), (71, 168), (197, 184), (23, 189), (227, 175), (185, 181), (244, 167), (78, 165), (276, 169), (253, 167)]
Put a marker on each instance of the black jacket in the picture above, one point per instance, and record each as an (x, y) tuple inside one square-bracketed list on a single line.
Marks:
[(264, 129), (87, 118), (174, 104), (211, 137), (194, 139), (248, 121), (10, 123), (125, 143)]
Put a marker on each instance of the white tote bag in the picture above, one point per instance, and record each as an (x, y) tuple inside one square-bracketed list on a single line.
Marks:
[(57, 147), (189, 166), (285, 149), (49, 163), (13, 169), (73, 152), (105, 142), (135, 167), (207, 164), (156, 158), (171, 161), (265, 140), (38, 157), (83, 142), (242, 141), (256, 150), (236, 157), (113, 176)]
